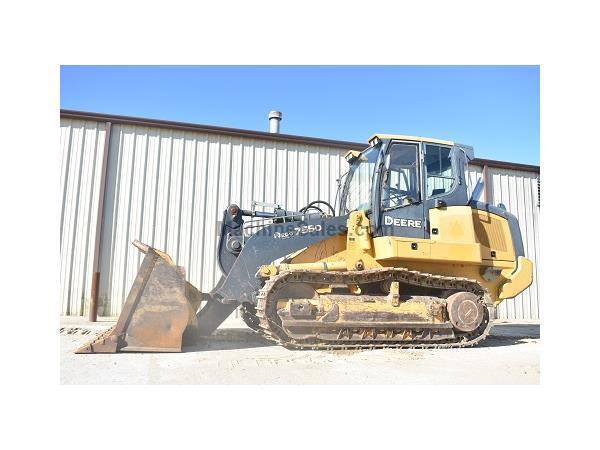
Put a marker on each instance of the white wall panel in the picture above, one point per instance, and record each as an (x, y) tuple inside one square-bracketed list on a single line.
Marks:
[(517, 190), (474, 174), (82, 145)]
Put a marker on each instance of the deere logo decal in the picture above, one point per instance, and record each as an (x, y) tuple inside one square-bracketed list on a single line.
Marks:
[(397, 222)]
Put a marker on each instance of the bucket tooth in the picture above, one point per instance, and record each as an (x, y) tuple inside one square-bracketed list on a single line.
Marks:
[(160, 307), (105, 343)]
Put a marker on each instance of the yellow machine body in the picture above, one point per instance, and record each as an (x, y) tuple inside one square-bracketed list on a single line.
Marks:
[(462, 248)]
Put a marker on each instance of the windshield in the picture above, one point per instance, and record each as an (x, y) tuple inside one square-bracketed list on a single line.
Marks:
[(357, 190)]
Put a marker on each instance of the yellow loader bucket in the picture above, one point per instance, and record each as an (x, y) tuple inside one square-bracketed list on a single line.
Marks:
[(159, 310)]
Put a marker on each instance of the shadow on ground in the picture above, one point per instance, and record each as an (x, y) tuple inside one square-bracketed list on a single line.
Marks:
[(228, 339), (522, 330), (503, 334)]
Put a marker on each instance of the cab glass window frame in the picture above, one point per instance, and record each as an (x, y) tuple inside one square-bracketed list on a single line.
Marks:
[(401, 181), (439, 170)]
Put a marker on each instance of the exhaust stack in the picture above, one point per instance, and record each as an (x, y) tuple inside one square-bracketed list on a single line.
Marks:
[(274, 119)]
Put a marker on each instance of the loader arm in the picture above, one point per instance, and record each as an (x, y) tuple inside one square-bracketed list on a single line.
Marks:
[(274, 241)]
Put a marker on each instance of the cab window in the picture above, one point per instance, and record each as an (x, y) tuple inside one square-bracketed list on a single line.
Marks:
[(400, 182), (438, 166), (357, 193)]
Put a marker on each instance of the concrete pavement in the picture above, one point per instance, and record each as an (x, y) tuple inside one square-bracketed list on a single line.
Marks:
[(235, 355)]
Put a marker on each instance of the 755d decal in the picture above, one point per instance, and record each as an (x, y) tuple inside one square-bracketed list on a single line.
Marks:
[(297, 231)]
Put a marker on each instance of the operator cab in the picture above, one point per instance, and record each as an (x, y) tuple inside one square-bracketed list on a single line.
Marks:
[(398, 179)]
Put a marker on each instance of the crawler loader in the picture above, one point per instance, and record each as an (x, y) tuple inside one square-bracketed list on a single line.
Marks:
[(408, 259)]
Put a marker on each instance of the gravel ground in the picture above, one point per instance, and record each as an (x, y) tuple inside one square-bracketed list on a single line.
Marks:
[(235, 355)]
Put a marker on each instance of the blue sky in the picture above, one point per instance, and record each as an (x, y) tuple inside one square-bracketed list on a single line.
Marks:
[(493, 108)]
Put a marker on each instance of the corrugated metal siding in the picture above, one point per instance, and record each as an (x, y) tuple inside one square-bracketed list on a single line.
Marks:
[(518, 191), (82, 145), (474, 173), (169, 189)]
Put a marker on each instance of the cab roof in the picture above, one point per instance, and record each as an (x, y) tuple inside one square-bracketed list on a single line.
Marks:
[(403, 137)]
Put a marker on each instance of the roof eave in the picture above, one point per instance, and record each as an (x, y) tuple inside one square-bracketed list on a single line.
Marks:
[(346, 145), (186, 126)]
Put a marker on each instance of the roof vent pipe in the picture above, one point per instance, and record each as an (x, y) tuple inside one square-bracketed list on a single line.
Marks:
[(274, 119)]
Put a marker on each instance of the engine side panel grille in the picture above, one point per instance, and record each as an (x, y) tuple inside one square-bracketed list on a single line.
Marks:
[(489, 230)]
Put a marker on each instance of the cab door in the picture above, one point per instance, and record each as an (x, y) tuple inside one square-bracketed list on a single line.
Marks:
[(400, 192), (443, 176)]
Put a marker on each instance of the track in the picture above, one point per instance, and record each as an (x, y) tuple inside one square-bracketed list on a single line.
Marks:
[(264, 319)]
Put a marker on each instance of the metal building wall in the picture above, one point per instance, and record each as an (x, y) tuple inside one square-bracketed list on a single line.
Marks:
[(518, 191), (82, 144), (474, 173), (169, 188)]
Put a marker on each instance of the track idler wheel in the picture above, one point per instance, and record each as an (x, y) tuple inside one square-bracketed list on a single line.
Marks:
[(465, 311)]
